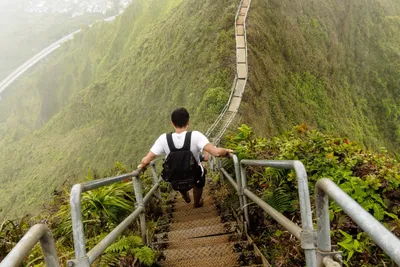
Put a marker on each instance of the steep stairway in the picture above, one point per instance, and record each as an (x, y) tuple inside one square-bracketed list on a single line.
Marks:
[(197, 237), (227, 115)]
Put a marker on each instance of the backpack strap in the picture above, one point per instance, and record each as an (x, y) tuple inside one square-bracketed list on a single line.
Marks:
[(171, 145), (188, 139)]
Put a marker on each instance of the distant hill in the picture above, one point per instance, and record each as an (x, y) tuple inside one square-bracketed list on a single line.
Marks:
[(107, 95), (332, 64)]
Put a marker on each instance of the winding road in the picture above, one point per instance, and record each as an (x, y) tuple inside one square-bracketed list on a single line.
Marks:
[(39, 56), (34, 60)]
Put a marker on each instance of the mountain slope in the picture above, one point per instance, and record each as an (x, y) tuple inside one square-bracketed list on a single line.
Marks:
[(334, 65), (158, 56)]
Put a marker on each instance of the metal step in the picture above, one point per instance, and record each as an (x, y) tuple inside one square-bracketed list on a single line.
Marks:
[(195, 223), (214, 250), (218, 261), (203, 231), (184, 213)]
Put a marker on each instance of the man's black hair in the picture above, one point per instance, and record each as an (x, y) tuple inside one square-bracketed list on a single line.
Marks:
[(180, 117)]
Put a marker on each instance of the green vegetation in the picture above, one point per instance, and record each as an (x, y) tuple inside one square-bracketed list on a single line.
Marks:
[(102, 210), (334, 65), (372, 179), (108, 94)]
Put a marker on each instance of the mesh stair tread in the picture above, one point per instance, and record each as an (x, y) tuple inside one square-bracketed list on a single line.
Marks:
[(198, 238), (194, 217), (182, 206), (193, 211), (211, 250), (215, 261), (201, 241), (196, 232), (195, 223)]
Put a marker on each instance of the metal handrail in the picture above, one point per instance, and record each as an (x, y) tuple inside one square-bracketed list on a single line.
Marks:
[(325, 189), (83, 259), (317, 244), (225, 108), (293, 228), (241, 187), (38, 232), (306, 234)]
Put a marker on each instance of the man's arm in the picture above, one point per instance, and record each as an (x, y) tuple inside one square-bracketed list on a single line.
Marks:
[(146, 160), (216, 151)]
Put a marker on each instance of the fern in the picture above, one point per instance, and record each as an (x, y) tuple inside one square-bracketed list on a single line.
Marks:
[(145, 255), (125, 243), (128, 247), (279, 199)]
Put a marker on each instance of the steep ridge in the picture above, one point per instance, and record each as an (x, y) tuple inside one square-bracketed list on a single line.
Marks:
[(140, 68), (334, 65)]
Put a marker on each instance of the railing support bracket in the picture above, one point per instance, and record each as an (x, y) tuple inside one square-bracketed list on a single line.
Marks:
[(82, 262), (329, 259), (308, 239)]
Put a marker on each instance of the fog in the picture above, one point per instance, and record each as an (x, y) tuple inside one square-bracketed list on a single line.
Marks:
[(28, 26)]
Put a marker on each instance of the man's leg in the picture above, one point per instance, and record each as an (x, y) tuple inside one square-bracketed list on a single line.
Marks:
[(185, 195), (197, 193), (198, 190)]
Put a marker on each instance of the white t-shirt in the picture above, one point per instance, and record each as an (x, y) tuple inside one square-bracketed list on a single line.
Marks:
[(197, 144)]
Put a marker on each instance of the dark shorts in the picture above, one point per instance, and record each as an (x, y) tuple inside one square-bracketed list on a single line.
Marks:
[(200, 183)]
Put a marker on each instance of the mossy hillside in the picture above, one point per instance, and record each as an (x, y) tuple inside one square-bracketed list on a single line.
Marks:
[(173, 53), (334, 65)]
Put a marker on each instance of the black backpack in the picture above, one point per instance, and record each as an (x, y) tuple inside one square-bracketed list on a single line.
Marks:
[(181, 168)]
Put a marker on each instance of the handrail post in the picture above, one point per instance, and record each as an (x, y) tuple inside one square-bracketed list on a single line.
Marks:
[(243, 186), (139, 202), (238, 180), (242, 199), (155, 181), (211, 164), (219, 167), (81, 259), (308, 235), (385, 239), (49, 249), (24, 246), (323, 224)]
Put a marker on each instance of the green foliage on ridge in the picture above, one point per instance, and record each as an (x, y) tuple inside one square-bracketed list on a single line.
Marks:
[(334, 65), (372, 179), (102, 210), (108, 94)]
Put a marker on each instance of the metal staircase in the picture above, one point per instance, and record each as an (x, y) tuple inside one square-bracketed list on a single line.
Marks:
[(217, 130), (197, 237)]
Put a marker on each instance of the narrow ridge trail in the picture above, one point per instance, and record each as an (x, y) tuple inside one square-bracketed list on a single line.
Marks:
[(216, 131)]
